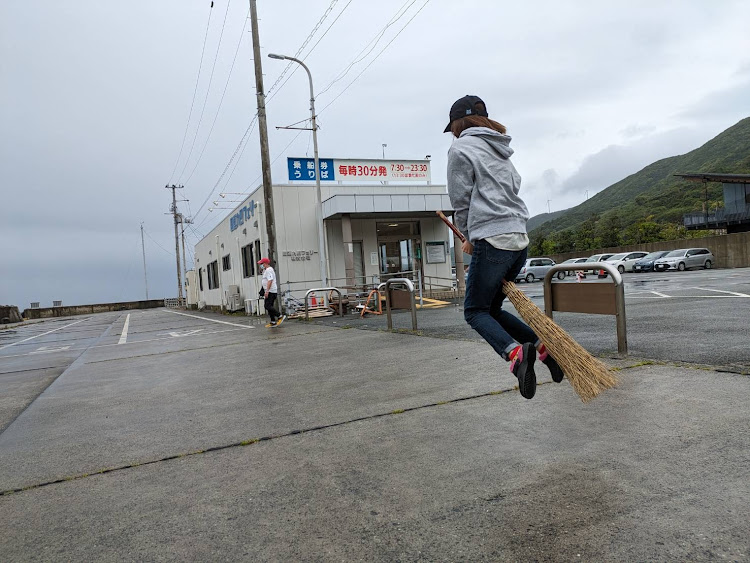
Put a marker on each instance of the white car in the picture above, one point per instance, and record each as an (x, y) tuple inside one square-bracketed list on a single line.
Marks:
[(625, 260), (574, 261)]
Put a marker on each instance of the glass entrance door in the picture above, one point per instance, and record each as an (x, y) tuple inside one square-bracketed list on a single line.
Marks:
[(396, 256), (396, 248)]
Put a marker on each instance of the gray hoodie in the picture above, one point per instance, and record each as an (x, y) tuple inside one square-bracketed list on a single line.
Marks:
[(483, 185)]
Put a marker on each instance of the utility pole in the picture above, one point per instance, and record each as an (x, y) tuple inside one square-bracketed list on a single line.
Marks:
[(183, 222), (176, 240), (143, 249), (265, 158)]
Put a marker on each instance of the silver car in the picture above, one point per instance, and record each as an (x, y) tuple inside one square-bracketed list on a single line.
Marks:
[(536, 269), (684, 259)]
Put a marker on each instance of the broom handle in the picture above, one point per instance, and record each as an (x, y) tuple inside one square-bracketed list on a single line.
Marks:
[(453, 227)]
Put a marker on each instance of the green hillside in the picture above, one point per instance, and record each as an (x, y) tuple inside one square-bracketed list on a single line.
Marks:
[(537, 220), (648, 205)]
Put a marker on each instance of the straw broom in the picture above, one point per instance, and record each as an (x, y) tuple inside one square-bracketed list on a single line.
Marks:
[(586, 374)]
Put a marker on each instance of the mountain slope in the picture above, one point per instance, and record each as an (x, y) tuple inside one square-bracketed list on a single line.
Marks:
[(652, 197), (537, 220)]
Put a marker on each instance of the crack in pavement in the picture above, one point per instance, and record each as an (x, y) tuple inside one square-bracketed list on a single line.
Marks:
[(252, 441)]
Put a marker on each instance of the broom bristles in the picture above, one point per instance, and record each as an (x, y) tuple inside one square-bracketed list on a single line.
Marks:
[(586, 374)]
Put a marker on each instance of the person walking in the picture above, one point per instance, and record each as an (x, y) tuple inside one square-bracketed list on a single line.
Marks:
[(483, 187), (270, 291)]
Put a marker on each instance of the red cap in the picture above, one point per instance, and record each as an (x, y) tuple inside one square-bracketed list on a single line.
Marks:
[(264, 261)]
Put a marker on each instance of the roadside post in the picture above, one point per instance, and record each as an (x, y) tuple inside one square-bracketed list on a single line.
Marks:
[(597, 298)]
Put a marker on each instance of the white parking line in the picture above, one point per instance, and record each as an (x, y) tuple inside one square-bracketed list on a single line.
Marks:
[(205, 319), (124, 335), (131, 342), (639, 292), (722, 291), (660, 294), (38, 335)]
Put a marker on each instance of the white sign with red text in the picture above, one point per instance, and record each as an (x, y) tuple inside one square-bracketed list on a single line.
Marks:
[(368, 170)]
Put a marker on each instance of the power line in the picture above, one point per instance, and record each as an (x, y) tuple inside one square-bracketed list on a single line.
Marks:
[(243, 140), (221, 101), (195, 91), (374, 42), (156, 243), (208, 89), (296, 67), (234, 155), (252, 185), (304, 44), (376, 57)]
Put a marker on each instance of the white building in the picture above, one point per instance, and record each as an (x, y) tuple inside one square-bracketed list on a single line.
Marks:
[(385, 228)]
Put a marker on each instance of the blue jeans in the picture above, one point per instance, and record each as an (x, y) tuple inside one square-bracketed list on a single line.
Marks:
[(483, 305)]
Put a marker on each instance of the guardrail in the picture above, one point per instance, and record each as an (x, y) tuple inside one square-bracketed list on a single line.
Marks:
[(410, 287), (593, 298), (309, 291)]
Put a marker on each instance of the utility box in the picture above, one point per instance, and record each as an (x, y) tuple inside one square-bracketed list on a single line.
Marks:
[(234, 300)]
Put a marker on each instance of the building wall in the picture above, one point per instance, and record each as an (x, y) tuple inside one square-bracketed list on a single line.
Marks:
[(298, 264), (210, 249)]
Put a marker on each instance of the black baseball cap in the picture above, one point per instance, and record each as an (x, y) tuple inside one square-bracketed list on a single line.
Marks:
[(468, 105)]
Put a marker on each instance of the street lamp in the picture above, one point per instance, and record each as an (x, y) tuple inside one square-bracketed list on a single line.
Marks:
[(318, 201)]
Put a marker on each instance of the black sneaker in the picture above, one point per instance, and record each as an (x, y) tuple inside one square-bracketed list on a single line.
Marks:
[(522, 366), (553, 367)]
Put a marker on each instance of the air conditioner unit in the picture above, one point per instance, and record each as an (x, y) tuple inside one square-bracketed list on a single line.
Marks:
[(233, 290), (234, 302), (201, 305)]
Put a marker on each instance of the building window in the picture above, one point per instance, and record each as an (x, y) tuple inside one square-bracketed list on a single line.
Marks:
[(257, 250), (200, 278), (248, 262), (213, 275), (226, 263)]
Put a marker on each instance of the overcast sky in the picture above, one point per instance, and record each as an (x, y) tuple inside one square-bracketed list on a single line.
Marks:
[(95, 97)]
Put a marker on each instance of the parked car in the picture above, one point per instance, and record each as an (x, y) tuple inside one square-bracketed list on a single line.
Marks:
[(625, 260), (573, 261), (536, 269), (646, 264), (684, 259), (597, 258)]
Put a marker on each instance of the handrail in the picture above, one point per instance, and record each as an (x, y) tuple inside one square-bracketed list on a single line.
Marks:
[(622, 336), (410, 286), (309, 291)]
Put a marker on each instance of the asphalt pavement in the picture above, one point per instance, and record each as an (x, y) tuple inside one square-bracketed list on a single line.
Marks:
[(199, 436)]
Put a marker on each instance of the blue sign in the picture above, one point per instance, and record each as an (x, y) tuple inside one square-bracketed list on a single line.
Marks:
[(242, 215), (304, 169)]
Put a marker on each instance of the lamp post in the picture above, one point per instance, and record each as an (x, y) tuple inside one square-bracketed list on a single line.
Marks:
[(318, 201)]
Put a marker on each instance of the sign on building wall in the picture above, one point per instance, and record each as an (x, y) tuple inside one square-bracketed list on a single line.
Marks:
[(435, 252), (244, 214), (346, 170)]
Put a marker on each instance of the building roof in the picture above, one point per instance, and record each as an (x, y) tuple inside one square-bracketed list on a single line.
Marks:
[(724, 178)]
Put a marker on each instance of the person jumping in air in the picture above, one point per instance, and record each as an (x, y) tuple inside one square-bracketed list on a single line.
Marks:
[(483, 186), (270, 291)]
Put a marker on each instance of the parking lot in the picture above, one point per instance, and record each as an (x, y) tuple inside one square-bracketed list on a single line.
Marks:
[(697, 316), (173, 435)]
